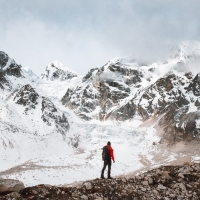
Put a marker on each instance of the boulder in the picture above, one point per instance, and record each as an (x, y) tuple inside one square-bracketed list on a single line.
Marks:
[(10, 185)]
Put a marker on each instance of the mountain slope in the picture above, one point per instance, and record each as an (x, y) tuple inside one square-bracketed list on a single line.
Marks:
[(127, 88), (29, 121)]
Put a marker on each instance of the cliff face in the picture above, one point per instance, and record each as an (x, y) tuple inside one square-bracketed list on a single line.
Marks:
[(50, 115), (102, 93), (9, 66)]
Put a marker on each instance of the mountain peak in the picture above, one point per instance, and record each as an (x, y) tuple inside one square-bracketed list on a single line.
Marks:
[(57, 64), (57, 71)]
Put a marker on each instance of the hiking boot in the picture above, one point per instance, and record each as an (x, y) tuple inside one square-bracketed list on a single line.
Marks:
[(102, 177), (109, 177)]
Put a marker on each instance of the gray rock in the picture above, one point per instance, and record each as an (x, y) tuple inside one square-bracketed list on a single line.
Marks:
[(14, 194), (84, 197), (161, 187), (34, 192), (27, 97), (88, 185), (181, 175), (10, 185), (172, 195), (155, 192), (150, 180), (180, 180), (9, 66), (182, 186), (145, 183), (4, 81)]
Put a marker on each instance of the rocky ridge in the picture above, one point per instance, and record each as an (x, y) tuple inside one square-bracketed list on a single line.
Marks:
[(20, 90), (125, 89), (9, 66), (163, 183), (4, 81), (50, 115), (102, 92)]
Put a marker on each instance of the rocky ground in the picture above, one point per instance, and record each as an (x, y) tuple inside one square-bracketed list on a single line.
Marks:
[(165, 182)]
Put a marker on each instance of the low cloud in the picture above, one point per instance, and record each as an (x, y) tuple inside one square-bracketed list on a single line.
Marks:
[(87, 34), (192, 66)]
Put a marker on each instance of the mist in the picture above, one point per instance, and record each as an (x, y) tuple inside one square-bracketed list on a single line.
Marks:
[(193, 66), (87, 34)]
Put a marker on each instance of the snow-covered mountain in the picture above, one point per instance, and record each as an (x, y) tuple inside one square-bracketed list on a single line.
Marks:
[(126, 88), (56, 71), (62, 120), (29, 120)]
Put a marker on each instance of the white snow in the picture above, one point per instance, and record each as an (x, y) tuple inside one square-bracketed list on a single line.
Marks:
[(192, 108)]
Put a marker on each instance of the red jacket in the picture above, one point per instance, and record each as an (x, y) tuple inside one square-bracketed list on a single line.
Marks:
[(111, 152)]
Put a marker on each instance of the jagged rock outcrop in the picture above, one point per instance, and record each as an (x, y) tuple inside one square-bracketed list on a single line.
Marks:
[(56, 71), (173, 102), (103, 91), (90, 74), (195, 85), (50, 115), (125, 112), (106, 96), (9, 66), (4, 82), (27, 97), (179, 125), (165, 182), (165, 91)]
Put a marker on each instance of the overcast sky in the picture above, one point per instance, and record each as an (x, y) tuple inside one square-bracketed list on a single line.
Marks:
[(85, 34)]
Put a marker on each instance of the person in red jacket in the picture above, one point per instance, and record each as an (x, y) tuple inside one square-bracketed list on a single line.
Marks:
[(107, 155)]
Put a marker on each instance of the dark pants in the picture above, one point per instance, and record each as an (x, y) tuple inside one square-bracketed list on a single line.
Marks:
[(106, 162)]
